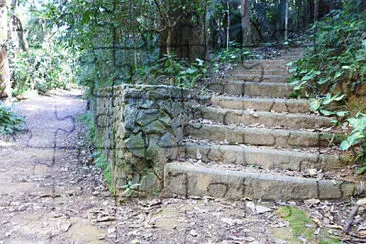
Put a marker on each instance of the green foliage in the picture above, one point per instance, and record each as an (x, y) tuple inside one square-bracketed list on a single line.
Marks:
[(298, 221), (130, 189), (337, 61), (88, 119), (234, 55), (101, 162), (10, 122), (42, 70), (43, 63), (173, 71), (357, 137), (335, 68), (319, 105)]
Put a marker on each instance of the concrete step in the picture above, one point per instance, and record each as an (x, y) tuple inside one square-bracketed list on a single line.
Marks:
[(259, 78), (186, 179), (251, 89), (268, 119), (261, 136), (262, 104), (241, 69), (263, 157)]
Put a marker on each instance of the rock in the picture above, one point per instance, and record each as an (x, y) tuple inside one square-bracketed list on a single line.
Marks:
[(136, 145), (156, 127), (129, 116), (145, 117), (164, 118), (167, 141), (146, 104), (150, 183)]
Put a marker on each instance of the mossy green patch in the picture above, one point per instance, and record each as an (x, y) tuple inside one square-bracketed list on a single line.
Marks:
[(301, 226), (299, 221)]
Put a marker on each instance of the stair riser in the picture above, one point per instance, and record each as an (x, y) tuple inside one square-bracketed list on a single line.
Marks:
[(196, 181), (276, 105), (259, 78), (269, 120), (261, 137), (263, 158), (251, 89), (259, 71)]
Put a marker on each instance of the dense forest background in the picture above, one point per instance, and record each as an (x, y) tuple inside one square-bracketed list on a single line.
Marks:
[(52, 44)]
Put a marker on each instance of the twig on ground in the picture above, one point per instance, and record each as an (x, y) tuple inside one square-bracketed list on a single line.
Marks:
[(349, 220)]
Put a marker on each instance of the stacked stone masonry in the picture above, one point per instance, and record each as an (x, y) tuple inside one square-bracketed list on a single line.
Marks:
[(139, 128)]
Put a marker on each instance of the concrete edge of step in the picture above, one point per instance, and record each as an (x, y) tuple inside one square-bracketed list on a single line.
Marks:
[(266, 158), (188, 180)]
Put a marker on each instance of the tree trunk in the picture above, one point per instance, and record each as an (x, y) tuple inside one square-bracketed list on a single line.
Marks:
[(245, 22), (228, 27), (316, 10), (169, 42), (286, 21), (5, 86)]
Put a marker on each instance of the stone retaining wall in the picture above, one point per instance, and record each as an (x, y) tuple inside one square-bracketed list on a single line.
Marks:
[(139, 127)]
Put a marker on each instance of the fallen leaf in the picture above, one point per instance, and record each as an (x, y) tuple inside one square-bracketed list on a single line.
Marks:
[(361, 201), (261, 209), (193, 233)]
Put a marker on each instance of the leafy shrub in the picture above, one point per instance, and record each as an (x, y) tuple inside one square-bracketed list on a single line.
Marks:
[(101, 162), (88, 119), (10, 122), (173, 71), (357, 138), (337, 62), (234, 55)]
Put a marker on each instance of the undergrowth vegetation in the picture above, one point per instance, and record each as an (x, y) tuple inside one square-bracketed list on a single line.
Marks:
[(172, 71), (96, 155), (333, 71), (10, 121)]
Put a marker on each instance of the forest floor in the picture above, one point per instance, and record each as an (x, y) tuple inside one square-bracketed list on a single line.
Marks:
[(48, 194)]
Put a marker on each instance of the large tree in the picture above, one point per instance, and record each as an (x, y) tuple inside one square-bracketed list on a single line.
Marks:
[(5, 88), (245, 22)]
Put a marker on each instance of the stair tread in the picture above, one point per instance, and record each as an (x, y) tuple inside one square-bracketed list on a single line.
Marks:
[(286, 138), (189, 179), (263, 157), (268, 119), (311, 152), (266, 113), (236, 127), (239, 98)]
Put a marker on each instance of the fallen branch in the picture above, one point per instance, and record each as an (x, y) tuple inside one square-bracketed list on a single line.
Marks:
[(349, 220)]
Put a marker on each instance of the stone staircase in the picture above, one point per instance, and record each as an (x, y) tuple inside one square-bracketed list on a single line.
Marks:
[(253, 141)]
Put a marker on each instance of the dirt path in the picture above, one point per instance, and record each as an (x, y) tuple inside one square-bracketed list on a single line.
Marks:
[(49, 195), (46, 192)]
